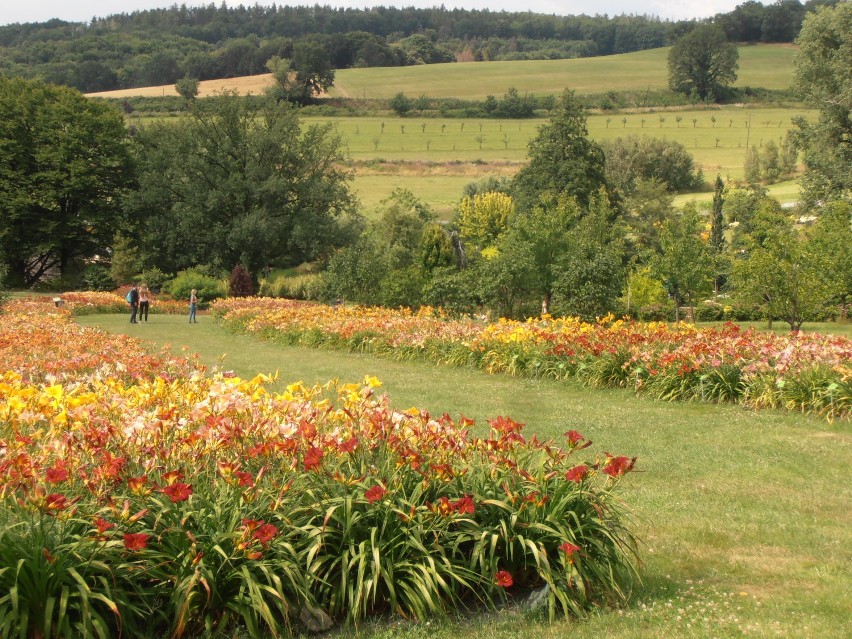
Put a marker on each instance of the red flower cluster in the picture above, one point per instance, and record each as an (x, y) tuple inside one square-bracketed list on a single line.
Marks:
[(618, 466), (376, 493)]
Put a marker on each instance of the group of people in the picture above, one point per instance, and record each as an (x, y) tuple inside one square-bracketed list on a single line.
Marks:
[(139, 298)]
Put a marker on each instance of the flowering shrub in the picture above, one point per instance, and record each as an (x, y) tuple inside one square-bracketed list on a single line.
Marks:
[(147, 498), (805, 372)]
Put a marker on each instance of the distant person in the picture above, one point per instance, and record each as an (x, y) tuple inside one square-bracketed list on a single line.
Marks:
[(144, 302), (193, 305), (133, 298)]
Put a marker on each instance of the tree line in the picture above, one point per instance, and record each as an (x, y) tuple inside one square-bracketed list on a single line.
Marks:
[(159, 46)]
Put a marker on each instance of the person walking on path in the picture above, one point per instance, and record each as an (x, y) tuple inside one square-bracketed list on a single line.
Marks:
[(144, 302), (133, 298), (193, 305)]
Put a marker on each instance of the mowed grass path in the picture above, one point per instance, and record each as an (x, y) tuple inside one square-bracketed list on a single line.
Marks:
[(745, 517)]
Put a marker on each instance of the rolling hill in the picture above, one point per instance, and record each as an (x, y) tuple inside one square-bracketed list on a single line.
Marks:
[(766, 66)]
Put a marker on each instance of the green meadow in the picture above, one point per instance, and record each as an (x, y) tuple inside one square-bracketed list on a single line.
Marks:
[(766, 66), (744, 516), (436, 157), (410, 147)]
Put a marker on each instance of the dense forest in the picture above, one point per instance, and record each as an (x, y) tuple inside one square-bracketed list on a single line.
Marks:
[(160, 46)]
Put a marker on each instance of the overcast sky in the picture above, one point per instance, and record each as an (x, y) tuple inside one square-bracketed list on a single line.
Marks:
[(83, 10)]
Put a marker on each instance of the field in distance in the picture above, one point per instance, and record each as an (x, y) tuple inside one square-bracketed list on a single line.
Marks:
[(768, 66), (435, 158)]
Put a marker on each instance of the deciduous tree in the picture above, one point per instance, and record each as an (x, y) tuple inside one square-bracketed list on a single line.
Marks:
[(784, 272), (821, 76), (234, 184), (64, 167), (702, 62), (563, 160), (685, 264)]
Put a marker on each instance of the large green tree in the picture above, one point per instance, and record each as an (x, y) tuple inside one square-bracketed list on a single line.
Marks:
[(702, 63), (591, 273), (635, 158), (821, 76), (307, 74), (64, 166), (563, 159), (233, 184)]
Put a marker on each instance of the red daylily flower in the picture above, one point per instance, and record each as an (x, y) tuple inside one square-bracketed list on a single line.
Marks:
[(244, 479), (57, 474), (503, 579), (312, 458), (569, 549), (617, 466), (505, 425), (178, 492), (55, 501), (265, 533), (135, 541), (349, 445), (577, 474), (103, 525), (464, 506), (574, 439), (376, 493)]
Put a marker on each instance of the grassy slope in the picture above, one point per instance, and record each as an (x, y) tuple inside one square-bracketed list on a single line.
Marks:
[(745, 516), (767, 66)]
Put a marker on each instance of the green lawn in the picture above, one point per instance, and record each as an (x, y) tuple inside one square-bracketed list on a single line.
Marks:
[(745, 517)]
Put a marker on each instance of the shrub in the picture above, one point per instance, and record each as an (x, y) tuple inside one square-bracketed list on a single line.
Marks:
[(657, 312), (299, 287), (207, 288), (452, 290), (153, 278), (240, 284), (97, 277), (709, 312)]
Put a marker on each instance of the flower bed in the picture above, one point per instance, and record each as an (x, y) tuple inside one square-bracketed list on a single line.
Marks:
[(803, 372), (156, 500), (95, 302)]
